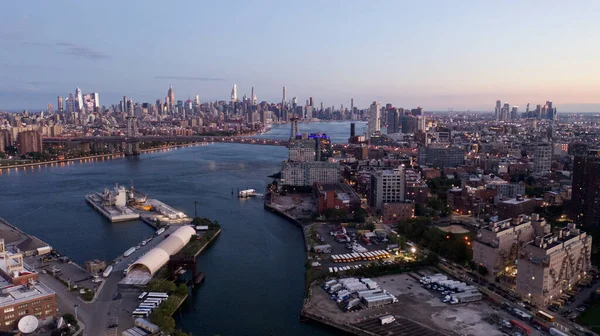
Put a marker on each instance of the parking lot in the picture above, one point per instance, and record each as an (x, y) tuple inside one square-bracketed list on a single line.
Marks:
[(66, 271), (417, 304)]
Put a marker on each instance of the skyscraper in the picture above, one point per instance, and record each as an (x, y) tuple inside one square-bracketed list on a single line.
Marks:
[(78, 100), (234, 93), (253, 97), (70, 104), (505, 112), (170, 99), (311, 102), (352, 109), (374, 116), (586, 189), (393, 121), (514, 113), (60, 104), (497, 111)]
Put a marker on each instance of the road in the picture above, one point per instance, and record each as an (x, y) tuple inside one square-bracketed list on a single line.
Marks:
[(104, 311)]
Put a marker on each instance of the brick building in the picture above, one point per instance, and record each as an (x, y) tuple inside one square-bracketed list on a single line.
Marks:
[(335, 196), (397, 211)]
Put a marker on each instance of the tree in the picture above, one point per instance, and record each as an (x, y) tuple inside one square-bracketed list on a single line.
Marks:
[(164, 322), (162, 285), (360, 215), (70, 319), (182, 290), (482, 270)]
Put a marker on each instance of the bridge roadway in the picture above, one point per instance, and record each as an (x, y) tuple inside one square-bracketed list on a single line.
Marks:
[(174, 138), (207, 138)]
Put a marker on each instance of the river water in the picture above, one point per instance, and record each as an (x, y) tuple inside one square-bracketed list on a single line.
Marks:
[(254, 270)]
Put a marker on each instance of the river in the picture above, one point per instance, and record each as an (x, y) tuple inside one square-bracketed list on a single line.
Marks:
[(254, 270)]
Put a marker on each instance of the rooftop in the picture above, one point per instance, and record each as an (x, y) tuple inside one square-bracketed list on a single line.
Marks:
[(16, 294)]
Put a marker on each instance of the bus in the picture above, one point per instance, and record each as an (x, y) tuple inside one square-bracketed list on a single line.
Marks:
[(155, 295), (540, 324), (524, 329), (147, 305), (142, 296), (157, 301), (140, 313), (545, 316)]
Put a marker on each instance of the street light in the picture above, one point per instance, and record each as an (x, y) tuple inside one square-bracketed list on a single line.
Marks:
[(76, 306), (413, 250)]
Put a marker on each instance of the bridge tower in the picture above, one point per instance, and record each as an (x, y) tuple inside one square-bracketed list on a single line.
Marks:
[(294, 130), (132, 143)]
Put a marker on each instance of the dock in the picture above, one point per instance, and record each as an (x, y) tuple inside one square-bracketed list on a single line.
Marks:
[(119, 205), (113, 213)]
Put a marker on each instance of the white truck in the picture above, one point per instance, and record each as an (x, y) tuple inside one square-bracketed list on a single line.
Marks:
[(433, 278), (335, 288), (468, 297), (352, 303), (387, 319), (107, 271), (330, 283)]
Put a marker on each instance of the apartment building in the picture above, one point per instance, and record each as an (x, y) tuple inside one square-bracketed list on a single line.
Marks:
[(551, 264)]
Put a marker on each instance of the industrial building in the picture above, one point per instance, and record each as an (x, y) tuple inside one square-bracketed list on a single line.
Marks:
[(335, 196), (143, 269), (20, 292)]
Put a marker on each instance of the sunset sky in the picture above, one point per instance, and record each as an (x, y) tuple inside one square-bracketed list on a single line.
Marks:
[(436, 54)]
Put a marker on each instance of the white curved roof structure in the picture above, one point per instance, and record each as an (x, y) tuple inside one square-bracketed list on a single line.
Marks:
[(152, 261)]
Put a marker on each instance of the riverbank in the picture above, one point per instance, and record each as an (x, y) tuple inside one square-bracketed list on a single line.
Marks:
[(82, 159)]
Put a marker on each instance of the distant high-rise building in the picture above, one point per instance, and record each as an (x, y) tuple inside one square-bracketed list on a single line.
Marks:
[(585, 202), (417, 111), (78, 100), (60, 104), (505, 112), (29, 141), (542, 158), (311, 102), (197, 100), (352, 115), (234, 93), (497, 111), (393, 121), (514, 113), (70, 104), (50, 109), (374, 119)]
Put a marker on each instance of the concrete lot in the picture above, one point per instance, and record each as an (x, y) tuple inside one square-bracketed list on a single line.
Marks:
[(297, 206), (416, 304)]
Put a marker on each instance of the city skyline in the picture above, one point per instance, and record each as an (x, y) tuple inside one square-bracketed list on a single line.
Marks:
[(406, 54)]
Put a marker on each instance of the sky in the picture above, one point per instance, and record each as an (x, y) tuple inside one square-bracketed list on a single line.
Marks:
[(462, 55)]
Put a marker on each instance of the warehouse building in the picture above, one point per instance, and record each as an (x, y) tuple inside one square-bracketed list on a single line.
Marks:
[(143, 269)]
